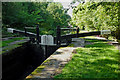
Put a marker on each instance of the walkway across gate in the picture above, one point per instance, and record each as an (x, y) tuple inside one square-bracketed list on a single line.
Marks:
[(58, 39)]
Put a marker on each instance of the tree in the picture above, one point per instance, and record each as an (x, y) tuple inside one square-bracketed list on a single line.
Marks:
[(58, 13), (9, 12), (96, 16), (47, 14)]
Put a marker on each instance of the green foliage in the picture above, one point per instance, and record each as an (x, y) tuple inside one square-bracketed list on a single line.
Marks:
[(99, 60), (23, 14), (47, 15), (58, 13), (96, 16), (101, 15)]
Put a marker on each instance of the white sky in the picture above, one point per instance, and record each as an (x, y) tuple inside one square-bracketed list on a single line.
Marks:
[(62, 0), (65, 4)]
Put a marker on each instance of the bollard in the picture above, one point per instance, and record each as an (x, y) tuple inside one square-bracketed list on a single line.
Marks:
[(25, 32), (78, 29), (44, 47), (37, 36), (58, 37)]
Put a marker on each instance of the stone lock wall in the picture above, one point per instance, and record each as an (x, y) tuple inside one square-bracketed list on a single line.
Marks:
[(21, 61)]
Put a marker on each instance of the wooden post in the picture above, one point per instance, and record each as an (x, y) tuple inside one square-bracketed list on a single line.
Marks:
[(25, 32), (78, 29), (44, 47), (37, 36), (58, 37)]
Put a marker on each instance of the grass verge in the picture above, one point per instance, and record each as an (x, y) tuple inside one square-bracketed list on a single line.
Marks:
[(98, 60), (6, 43)]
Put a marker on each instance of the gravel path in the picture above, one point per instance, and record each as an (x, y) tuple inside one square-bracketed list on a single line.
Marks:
[(19, 41)]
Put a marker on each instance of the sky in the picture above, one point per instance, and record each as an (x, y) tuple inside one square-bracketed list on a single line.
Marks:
[(65, 4)]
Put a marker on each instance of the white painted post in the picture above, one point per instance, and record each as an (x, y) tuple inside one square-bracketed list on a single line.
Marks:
[(50, 40), (47, 40), (10, 30), (105, 32), (44, 39)]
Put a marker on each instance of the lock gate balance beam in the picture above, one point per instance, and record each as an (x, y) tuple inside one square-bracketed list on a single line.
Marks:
[(59, 38)]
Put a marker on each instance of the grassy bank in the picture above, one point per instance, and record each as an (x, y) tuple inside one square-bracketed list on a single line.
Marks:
[(7, 42), (98, 60)]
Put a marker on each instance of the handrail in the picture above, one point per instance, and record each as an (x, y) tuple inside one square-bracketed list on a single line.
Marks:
[(68, 28), (30, 27)]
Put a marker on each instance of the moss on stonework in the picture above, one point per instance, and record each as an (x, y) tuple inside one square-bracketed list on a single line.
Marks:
[(70, 45), (118, 41)]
